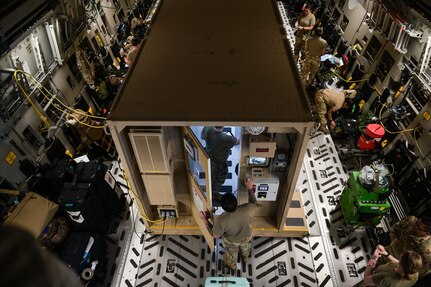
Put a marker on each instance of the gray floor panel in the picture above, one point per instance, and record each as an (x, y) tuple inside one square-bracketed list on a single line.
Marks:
[(310, 205), (320, 261), (281, 262), (186, 261), (124, 245), (346, 250)]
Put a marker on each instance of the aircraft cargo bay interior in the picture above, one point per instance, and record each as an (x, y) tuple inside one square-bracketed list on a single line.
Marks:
[(215, 143)]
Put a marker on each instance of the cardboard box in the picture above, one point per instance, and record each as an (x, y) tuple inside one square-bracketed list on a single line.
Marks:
[(33, 213)]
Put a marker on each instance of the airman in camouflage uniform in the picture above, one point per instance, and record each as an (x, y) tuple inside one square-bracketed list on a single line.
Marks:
[(329, 101), (86, 68), (412, 234), (314, 48), (305, 24), (218, 145), (234, 225)]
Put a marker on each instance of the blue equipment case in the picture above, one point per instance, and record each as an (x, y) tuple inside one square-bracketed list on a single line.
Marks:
[(226, 282)]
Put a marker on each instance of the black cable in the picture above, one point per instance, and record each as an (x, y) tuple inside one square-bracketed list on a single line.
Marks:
[(133, 216), (163, 229)]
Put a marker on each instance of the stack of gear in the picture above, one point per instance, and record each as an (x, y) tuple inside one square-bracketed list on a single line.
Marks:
[(364, 200), (88, 129), (85, 192), (55, 232), (90, 199), (49, 179), (37, 215), (345, 127), (75, 227)]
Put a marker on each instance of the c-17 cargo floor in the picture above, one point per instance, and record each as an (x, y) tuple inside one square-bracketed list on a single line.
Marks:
[(329, 256)]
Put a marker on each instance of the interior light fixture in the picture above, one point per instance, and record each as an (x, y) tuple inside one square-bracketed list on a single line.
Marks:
[(255, 130)]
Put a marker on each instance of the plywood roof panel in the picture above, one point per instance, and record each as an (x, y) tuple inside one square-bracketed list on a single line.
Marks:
[(205, 60)]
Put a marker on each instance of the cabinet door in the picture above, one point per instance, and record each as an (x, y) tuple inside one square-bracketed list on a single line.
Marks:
[(199, 177)]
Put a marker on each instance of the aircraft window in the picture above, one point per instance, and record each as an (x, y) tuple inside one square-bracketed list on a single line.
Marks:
[(344, 23), (384, 66), (372, 49)]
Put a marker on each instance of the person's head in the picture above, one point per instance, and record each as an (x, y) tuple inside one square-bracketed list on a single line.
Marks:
[(229, 202), (21, 255), (350, 94), (307, 11), (129, 39), (319, 31), (423, 225), (410, 263), (135, 41), (349, 98), (219, 128), (348, 103)]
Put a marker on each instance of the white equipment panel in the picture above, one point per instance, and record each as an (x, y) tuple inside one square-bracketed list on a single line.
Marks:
[(266, 188)]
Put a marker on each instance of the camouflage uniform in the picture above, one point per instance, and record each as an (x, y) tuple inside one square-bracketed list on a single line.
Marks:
[(301, 36), (310, 67), (403, 239), (231, 251), (86, 68), (300, 40), (385, 275), (218, 145), (219, 173), (311, 64), (85, 127), (236, 232), (328, 98), (321, 112)]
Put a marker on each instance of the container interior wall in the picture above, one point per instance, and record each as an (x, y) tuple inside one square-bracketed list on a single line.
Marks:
[(181, 178)]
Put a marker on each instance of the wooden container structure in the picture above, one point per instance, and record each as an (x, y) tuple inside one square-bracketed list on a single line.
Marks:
[(208, 63)]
